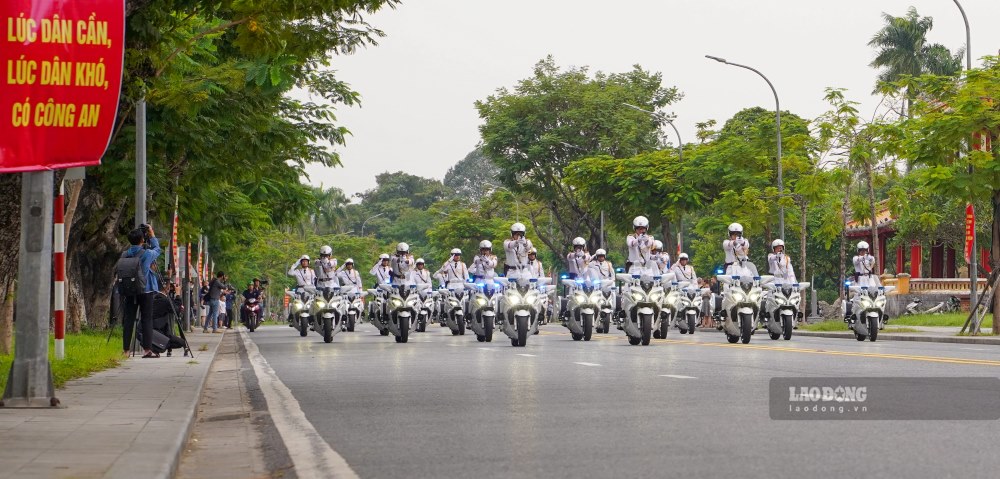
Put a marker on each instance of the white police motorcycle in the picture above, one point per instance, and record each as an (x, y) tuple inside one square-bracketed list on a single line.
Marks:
[(521, 308), (742, 298), (583, 306), (483, 301), (782, 306), (328, 312), (376, 309), (298, 310), (691, 302), (867, 314), (428, 308), (404, 301), (670, 309), (642, 299), (453, 304), (355, 307)]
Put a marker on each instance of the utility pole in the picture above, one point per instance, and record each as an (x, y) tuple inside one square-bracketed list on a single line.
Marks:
[(30, 381), (140, 162)]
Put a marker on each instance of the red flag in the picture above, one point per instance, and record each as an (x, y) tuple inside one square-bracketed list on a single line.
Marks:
[(175, 254)]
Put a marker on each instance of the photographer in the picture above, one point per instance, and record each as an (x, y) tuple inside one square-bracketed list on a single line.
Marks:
[(215, 291), (137, 286)]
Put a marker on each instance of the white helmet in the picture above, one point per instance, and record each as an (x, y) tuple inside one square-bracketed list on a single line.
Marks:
[(420, 261), (533, 250), (485, 244), (640, 221), (600, 252), (403, 247), (304, 257), (455, 251), (682, 256), (517, 228), (658, 244), (383, 256), (776, 243), (863, 245), (325, 250), (578, 241), (349, 261), (736, 228)]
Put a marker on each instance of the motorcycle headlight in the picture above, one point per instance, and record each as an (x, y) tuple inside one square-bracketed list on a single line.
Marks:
[(866, 303), (655, 296), (579, 297), (754, 295), (779, 300), (637, 296), (531, 297), (597, 298), (396, 302), (794, 299), (453, 302), (480, 301), (320, 304), (513, 298), (297, 305), (880, 302), (738, 295), (673, 297)]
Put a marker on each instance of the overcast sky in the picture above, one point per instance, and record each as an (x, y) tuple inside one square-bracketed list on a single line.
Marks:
[(418, 86)]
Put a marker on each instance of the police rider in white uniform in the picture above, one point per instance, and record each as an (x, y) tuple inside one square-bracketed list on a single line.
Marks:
[(600, 267), (516, 249), (402, 264), (640, 247), (349, 277), (578, 260), (683, 271), (535, 268), (326, 268), (485, 263), (864, 267), (453, 271), (303, 274), (382, 271), (779, 264), (660, 257), (737, 250)]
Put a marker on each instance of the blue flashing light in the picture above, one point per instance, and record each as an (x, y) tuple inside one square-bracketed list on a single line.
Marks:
[(619, 270), (533, 280), (564, 276), (511, 280), (635, 276), (719, 271), (756, 278)]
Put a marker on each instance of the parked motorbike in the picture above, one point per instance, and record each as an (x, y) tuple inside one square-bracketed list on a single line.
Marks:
[(250, 312), (782, 306), (483, 299), (583, 305), (916, 307), (328, 312), (867, 314), (453, 307), (642, 299), (741, 305), (521, 308), (691, 303)]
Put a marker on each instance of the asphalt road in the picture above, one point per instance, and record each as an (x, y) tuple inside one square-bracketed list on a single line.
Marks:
[(693, 406)]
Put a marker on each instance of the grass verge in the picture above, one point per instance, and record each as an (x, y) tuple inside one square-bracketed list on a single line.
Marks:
[(837, 325), (947, 319), (86, 353)]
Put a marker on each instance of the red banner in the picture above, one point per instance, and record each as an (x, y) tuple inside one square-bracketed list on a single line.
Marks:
[(970, 229), (60, 77)]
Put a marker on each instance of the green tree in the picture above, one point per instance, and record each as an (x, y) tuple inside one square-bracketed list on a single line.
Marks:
[(473, 178), (535, 130), (937, 140), (902, 50)]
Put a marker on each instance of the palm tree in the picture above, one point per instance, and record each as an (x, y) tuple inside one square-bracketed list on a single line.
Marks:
[(903, 51), (330, 209)]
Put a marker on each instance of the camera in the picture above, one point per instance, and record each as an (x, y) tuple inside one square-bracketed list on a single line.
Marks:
[(146, 233)]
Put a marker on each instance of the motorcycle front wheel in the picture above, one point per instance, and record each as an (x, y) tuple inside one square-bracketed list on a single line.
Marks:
[(588, 327), (327, 330), (787, 331), (303, 326), (522, 331), (646, 329), (746, 327), (488, 331)]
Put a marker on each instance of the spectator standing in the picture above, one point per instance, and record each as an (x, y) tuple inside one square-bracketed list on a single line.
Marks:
[(215, 291), (139, 308)]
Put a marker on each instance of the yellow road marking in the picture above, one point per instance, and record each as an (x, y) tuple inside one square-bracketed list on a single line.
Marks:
[(909, 357)]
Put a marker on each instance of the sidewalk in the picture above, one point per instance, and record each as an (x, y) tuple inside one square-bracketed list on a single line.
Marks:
[(131, 421)]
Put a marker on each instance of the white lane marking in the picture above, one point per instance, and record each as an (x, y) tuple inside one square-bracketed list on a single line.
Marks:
[(975, 349), (310, 453), (527, 355), (588, 364), (677, 376)]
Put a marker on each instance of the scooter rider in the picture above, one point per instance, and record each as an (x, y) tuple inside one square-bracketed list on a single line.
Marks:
[(660, 257), (381, 270), (600, 268), (864, 267), (402, 264), (349, 276), (683, 271), (303, 274), (326, 268), (639, 246), (452, 271), (779, 264), (578, 259), (485, 263), (535, 269), (516, 249)]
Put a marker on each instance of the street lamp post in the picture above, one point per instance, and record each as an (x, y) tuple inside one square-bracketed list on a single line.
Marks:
[(777, 114), (973, 260), (366, 222), (680, 143)]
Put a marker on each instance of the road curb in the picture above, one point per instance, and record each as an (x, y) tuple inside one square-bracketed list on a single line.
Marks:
[(192, 406), (989, 340)]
